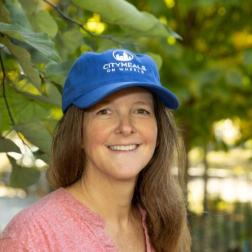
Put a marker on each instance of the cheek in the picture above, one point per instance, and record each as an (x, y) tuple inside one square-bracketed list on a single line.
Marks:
[(93, 136), (151, 132)]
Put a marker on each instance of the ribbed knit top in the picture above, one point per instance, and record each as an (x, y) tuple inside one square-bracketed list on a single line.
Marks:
[(60, 223)]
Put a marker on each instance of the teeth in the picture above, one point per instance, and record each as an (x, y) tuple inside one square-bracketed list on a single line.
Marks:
[(123, 147)]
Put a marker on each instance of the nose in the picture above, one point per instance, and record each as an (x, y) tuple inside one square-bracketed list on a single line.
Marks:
[(125, 125)]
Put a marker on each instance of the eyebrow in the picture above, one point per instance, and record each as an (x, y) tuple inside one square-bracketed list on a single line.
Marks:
[(144, 101)]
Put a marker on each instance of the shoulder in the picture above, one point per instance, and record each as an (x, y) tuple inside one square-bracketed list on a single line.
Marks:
[(33, 220), (57, 222)]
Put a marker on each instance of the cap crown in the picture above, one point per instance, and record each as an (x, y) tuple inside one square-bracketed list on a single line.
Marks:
[(108, 72), (93, 70)]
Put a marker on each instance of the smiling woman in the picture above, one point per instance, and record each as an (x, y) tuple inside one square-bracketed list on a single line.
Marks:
[(112, 156), (120, 135)]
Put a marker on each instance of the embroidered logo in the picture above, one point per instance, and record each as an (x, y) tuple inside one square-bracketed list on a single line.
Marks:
[(122, 55), (124, 63)]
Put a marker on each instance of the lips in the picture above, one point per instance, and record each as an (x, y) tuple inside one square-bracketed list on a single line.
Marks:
[(128, 147)]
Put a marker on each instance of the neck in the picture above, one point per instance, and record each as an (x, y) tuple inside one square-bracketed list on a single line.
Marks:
[(112, 200)]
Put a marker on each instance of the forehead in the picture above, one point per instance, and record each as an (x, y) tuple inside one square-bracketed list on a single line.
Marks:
[(135, 93)]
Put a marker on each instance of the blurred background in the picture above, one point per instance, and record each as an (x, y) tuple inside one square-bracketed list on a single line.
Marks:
[(204, 51)]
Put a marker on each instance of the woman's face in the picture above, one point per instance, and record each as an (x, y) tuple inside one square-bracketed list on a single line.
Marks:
[(120, 134)]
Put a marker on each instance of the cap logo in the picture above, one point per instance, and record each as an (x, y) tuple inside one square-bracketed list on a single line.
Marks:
[(124, 63), (122, 55)]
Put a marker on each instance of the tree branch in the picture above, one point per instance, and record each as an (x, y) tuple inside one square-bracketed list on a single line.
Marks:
[(64, 16), (4, 91), (6, 100)]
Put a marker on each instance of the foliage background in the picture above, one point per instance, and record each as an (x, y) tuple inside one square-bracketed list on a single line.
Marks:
[(207, 63)]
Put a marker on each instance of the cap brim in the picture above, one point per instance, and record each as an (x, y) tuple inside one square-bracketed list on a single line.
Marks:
[(88, 99)]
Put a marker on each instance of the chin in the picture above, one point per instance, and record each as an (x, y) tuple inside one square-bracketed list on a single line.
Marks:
[(126, 178), (126, 173)]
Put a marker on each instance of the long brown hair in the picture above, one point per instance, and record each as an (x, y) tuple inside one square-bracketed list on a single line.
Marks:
[(157, 189)]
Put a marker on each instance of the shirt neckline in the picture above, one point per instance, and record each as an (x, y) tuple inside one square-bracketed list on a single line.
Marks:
[(93, 218)]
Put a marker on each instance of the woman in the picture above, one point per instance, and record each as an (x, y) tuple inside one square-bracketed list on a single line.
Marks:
[(111, 165)]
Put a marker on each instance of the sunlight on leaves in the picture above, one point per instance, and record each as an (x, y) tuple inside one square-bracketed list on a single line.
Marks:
[(242, 39), (171, 40), (95, 25), (169, 3), (227, 131)]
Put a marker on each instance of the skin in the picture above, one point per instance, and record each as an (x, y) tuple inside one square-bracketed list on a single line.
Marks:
[(121, 119)]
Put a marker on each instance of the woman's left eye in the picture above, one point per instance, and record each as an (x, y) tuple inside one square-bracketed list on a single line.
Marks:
[(103, 112), (143, 111)]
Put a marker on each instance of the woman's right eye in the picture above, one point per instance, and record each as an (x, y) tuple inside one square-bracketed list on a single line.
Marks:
[(104, 111)]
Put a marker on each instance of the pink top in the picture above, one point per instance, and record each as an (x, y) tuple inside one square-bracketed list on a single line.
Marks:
[(59, 222)]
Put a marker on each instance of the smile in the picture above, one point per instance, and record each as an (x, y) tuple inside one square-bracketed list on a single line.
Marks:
[(129, 147)]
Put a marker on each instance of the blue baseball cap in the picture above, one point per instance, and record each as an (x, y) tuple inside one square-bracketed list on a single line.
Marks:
[(94, 76)]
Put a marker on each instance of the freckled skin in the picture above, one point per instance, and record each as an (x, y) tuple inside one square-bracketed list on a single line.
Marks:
[(126, 117)]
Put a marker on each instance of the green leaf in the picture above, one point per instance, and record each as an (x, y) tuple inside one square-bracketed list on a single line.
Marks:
[(30, 6), (247, 57), (209, 75), (45, 23), (57, 72), (126, 15), (24, 59), (37, 134), (39, 41), (72, 39), (17, 14), (22, 177), (40, 19), (30, 111), (23, 108), (52, 96), (4, 14), (1, 118), (234, 77), (5, 123), (6, 145)]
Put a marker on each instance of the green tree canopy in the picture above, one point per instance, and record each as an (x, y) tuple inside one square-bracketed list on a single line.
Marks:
[(208, 65), (39, 41)]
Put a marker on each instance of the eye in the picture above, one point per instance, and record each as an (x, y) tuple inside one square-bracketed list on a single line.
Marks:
[(143, 111), (104, 111)]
